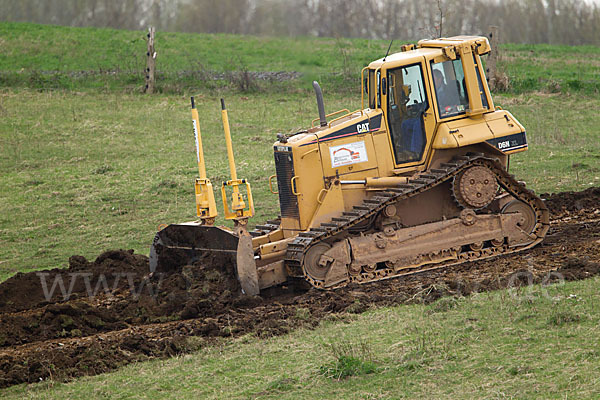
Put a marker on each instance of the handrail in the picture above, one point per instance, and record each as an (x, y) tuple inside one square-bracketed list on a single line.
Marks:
[(312, 124), (361, 112), (338, 118), (362, 88), (294, 189), (271, 184)]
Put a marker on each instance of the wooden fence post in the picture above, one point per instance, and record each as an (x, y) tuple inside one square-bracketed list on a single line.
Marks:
[(150, 62), (493, 58)]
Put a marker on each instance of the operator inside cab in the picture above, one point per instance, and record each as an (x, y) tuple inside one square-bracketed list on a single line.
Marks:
[(451, 95), (450, 88)]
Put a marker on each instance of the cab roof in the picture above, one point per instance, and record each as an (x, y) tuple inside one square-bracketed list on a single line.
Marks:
[(428, 48), (405, 57)]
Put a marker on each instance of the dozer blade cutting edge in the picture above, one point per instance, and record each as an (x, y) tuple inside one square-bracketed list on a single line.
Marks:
[(184, 244)]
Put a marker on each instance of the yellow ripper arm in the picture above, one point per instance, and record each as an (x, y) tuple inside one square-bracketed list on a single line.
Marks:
[(206, 207), (238, 208)]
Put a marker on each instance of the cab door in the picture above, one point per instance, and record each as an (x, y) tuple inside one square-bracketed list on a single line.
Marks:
[(409, 113)]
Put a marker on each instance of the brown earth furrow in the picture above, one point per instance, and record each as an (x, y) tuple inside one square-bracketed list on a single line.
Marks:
[(131, 318)]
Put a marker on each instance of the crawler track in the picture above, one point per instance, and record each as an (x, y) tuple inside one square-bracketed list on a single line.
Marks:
[(432, 178), (60, 339)]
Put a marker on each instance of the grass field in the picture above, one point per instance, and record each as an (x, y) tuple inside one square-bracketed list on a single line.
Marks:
[(85, 172), (73, 58), (88, 164), (553, 68), (540, 343), (40, 56)]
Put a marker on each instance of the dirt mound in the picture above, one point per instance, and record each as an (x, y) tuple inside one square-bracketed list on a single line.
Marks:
[(96, 316), (203, 289), (111, 271), (576, 269), (572, 202), (87, 356), (112, 293)]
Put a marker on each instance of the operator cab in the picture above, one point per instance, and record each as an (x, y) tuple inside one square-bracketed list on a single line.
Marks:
[(436, 81)]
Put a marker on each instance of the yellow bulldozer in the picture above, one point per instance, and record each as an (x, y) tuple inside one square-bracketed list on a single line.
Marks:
[(417, 179)]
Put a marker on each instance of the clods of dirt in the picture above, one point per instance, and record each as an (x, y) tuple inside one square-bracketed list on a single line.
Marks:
[(111, 293), (563, 203), (93, 317), (576, 269), (111, 271)]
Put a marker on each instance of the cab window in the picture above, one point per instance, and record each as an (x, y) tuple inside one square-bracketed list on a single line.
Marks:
[(483, 97), (378, 80), (406, 103), (372, 89), (450, 88)]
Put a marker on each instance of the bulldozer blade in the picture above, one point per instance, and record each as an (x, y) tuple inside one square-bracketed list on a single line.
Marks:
[(183, 244)]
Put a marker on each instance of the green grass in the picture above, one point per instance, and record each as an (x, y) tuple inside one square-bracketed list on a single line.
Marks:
[(82, 172), (553, 68), (539, 344), (42, 47), (27, 50), (349, 359), (46, 56), (563, 133)]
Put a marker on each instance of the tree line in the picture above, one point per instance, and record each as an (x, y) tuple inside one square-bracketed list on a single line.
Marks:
[(569, 22)]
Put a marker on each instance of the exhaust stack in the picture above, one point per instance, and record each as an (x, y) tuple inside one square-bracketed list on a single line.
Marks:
[(320, 104)]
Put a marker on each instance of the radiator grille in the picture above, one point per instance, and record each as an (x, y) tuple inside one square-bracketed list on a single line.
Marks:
[(284, 167)]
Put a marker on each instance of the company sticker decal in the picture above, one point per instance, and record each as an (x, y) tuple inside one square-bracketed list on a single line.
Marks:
[(349, 153)]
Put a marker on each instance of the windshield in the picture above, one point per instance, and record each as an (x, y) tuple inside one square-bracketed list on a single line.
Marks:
[(450, 90)]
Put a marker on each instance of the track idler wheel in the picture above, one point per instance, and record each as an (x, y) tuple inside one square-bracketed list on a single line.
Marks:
[(475, 188), (528, 219), (312, 264)]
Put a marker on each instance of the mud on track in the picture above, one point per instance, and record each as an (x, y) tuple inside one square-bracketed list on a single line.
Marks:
[(98, 315)]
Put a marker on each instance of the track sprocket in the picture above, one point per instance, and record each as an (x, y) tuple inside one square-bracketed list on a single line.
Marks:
[(475, 188)]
